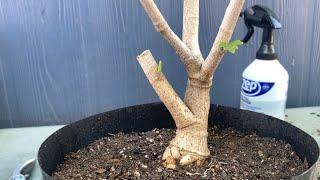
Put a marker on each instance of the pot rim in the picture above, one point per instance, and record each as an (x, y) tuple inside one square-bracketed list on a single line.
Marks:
[(312, 169)]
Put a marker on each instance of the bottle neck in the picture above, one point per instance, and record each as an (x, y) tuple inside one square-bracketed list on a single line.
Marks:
[(267, 35), (267, 50)]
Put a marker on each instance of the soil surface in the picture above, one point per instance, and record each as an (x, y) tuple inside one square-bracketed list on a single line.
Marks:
[(234, 155)]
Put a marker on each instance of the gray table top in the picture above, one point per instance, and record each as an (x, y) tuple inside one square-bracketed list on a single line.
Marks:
[(21, 144)]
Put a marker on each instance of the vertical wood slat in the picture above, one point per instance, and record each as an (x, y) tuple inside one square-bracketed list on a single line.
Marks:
[(64, 60), (313, 93)]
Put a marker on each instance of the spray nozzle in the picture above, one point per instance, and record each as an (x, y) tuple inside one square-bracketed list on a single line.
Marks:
[(262, 17), (259, 16)]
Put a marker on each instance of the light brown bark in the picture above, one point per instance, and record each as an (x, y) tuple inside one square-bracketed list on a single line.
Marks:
[(164, 29), (190, 115), (224, 35), (191, 25), (180, 112)]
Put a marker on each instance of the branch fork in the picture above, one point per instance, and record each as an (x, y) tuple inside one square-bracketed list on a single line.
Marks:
[(190, 115)]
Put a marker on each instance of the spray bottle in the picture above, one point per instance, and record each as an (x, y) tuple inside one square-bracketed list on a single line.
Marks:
[(264, 81)]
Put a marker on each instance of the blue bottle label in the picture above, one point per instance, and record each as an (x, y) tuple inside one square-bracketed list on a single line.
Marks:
[(255, 88)]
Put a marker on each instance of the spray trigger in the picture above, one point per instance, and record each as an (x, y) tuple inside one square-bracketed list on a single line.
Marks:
[(259, 16), (264, 18)]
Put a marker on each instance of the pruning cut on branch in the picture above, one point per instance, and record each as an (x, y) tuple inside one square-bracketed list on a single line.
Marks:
[(191, 114)]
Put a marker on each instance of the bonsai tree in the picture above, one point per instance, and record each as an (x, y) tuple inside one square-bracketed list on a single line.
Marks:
[(191, 114)]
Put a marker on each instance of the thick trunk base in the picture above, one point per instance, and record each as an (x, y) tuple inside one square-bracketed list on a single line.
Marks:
[(189, 146)]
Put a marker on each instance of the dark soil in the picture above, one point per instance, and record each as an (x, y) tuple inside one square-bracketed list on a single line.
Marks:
[(234, 155)]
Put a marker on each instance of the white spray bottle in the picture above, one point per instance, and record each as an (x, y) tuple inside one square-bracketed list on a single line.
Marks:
[(264, 81)]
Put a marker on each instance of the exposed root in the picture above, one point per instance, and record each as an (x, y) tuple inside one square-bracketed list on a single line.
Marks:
[(188, 147), (205, 173), (210, 166), (173, 154)]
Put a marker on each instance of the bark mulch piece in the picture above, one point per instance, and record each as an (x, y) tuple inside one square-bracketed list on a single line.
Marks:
[(234, 155)]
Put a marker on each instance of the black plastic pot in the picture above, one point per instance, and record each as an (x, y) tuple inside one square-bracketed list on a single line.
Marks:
[(149, 116)]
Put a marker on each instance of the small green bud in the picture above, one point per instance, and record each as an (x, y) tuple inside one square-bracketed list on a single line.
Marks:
[(159, 68)]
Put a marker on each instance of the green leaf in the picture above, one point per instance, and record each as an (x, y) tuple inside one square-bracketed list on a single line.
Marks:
[(159, 68), (232, 46)]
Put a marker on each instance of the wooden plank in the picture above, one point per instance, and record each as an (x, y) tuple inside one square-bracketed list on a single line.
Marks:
[(313, 93), (64, 60)]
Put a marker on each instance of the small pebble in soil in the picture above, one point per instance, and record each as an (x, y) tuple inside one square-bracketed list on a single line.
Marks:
[(233, 155), (136, 174)]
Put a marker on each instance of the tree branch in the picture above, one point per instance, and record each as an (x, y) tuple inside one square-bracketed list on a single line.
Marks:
[(224, 35), (180, 112), (191, 25), (164, 29)]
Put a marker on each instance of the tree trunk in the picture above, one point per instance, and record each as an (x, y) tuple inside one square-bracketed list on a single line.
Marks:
[(191, 115), (190, 144)]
